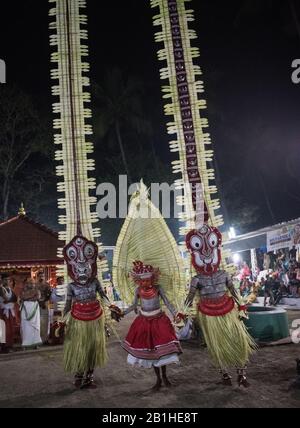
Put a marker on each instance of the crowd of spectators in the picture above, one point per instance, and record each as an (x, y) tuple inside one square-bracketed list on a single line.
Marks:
[(279, 278)]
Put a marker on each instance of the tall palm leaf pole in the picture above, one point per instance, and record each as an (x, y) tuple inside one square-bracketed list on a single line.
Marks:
[(185, 107), (75, 164)]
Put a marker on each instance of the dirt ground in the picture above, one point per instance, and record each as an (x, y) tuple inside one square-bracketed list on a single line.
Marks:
[(36, 379)]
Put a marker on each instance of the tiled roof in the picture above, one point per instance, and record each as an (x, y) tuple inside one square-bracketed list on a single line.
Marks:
[(24, 242)]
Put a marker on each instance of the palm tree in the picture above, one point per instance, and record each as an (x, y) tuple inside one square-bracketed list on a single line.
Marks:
[(118, 109), (21, 137)]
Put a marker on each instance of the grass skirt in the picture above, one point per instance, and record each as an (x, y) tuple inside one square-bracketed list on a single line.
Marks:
[(228, 341), (85, 345)]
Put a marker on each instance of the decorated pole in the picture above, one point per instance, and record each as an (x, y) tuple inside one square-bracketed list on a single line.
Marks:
[(184, 103), (71, 125)]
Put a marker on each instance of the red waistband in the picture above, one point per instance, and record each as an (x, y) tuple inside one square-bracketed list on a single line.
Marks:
[(217, 306), (89, 311)]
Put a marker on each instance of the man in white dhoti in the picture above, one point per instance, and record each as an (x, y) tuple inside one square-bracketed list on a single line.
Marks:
[(2, 334), (45, 294), (30, 315)]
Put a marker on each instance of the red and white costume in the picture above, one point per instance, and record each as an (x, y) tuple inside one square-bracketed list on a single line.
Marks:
[(151, 340)]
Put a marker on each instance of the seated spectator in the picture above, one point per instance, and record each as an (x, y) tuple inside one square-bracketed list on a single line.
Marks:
[(252, 297), (268, 291), (293, 280), (293, 253), (276, 288), (261, 290), (245, 287)]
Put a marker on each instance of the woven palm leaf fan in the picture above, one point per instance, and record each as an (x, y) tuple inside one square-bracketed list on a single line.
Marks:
[(145, 236)]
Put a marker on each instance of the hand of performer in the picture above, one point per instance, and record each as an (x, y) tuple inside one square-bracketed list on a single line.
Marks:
[(116, 313), (243, 312), (179, 317), (59, 329)]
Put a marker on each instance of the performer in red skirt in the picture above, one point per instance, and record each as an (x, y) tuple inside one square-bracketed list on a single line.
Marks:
[(151, 340)]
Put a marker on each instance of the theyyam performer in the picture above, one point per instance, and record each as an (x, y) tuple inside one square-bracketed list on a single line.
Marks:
[(148, 273), (220, 308), (85, 346), (85, 341), (151, 340)]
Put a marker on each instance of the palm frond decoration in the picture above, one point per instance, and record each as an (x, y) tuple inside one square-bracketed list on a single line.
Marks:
[(184, 104), (71, 124), (145, 236)]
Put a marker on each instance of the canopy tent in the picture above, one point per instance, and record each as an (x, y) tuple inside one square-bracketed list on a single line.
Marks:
[(259, 238)]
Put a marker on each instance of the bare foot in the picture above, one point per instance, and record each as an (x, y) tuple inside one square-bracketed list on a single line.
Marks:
[(226, 380), (92, 386), (88, 384), (167, 382), (242, 381), (156, 387), (77, 383)]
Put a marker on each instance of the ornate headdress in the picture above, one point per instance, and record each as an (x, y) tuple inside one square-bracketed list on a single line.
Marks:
[(204, 245), (141, 271), (81, 257)]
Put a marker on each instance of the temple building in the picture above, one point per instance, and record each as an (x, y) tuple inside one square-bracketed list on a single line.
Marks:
[(27, 247)]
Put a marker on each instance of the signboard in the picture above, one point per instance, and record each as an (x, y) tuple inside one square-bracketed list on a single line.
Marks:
[(285, 237), (295, 234), (280, 238)]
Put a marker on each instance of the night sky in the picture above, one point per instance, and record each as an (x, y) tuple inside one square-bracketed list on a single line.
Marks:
[(246, 56)]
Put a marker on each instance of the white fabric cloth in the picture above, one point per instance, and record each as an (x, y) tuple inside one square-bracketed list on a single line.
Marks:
[(151, 313), (30, 328), (8, 308), (185, 332), (148, 364), (2, 332)]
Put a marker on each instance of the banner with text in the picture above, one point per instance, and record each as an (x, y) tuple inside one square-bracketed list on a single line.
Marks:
[(280, 238)]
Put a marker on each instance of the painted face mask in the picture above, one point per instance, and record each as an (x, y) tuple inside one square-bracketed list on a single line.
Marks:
[(145, 276), (81, 257), (204, 245)]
